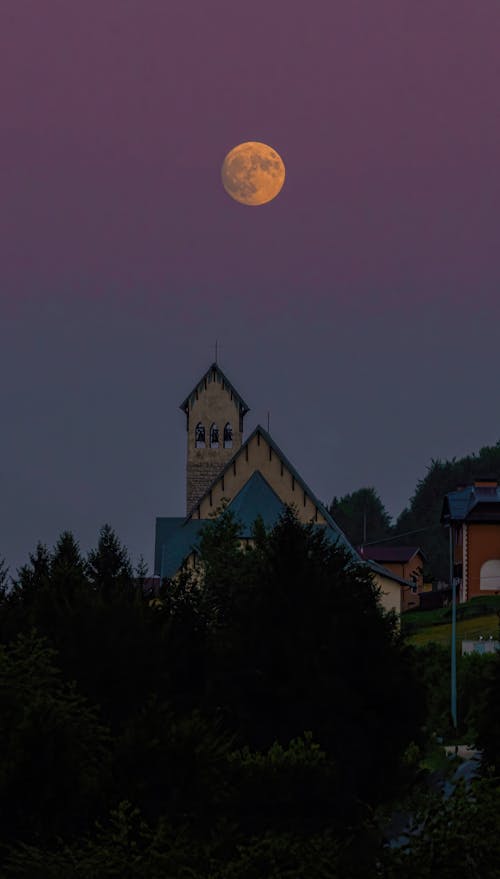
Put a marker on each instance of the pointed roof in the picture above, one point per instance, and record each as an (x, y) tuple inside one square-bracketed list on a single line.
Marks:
[(214, 371), (256, 498), (177, 538), (337, 533)]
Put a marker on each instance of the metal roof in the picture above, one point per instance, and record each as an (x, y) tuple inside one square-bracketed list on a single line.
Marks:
[(457, 505), (380, 553), (177, 538)]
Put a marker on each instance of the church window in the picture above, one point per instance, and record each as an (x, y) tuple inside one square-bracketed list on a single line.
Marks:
[(234, 468), (281, 465), (305, 498), (214, 437), (228, 436), (246, 453), (199, 436), (293, 483)]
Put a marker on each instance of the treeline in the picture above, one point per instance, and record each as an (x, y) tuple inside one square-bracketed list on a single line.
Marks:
[(264, 720), (363, 516)]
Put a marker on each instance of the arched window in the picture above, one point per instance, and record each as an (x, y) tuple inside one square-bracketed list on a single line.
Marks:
[(214, 437), (228, 436), (490, 574), (199, 436)]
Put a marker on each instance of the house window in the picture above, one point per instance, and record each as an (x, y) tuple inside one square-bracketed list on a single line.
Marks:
[(228, 436), (214, 437), (490, 574), (199, 436)]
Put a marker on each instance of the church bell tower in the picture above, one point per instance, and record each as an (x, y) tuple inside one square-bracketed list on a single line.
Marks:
[(214, 420)]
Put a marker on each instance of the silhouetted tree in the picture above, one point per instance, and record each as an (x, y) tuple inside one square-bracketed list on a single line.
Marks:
[(109, 567), (305, 636), (4, 576), (424, 511), (53, 751), (361, 512)]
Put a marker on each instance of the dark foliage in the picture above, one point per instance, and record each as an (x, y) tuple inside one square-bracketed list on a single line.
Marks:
[(424, 512), (362, 516), (247, 724)]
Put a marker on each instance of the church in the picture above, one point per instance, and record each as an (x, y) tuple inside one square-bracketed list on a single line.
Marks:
[(252, 476)]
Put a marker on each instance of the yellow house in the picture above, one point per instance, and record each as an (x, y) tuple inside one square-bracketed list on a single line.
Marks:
[(254, 477)]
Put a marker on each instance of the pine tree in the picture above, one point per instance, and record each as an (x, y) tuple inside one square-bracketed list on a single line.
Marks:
[(109, 567), (362, 516)]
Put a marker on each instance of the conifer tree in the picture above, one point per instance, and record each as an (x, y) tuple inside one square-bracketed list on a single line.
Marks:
[(109, 566)]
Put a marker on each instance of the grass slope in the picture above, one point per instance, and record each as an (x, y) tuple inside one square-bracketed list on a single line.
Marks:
[(479, 616)]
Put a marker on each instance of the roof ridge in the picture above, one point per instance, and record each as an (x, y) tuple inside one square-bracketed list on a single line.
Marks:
[(214, 367), (303, 484)]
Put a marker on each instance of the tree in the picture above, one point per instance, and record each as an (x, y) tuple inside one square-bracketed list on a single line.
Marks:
[(424, 511), (454, 837), (4, 573), (305, 644), (109, 567), (53, 750), (362, 516)]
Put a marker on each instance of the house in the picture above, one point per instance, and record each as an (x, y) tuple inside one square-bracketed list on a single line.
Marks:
[(253, 477), (473, 514), (406, 561)]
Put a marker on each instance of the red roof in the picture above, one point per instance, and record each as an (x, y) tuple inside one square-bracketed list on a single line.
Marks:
[(380, 553)]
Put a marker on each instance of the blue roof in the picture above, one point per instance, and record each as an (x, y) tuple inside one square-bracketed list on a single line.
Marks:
[(177, 537), (336, 532), (175, 541), (255, 499), (458, 504)]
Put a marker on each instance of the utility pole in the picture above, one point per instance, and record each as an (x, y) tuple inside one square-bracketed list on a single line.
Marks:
[(453, 705)]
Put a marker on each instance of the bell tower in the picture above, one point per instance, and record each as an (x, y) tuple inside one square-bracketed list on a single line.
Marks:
[(214, 421)]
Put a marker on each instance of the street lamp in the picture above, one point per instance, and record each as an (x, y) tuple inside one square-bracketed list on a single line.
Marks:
[(453, 584)]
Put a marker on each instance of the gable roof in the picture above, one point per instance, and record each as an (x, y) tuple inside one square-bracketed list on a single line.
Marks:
[(256, 499), (214, 371), (177, 537), (385, 572), (339, 534), (381, 553)]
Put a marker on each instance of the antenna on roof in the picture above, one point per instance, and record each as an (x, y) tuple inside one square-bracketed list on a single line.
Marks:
[(216, 350)]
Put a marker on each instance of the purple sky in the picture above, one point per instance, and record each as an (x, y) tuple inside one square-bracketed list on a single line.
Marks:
[(361, 307)]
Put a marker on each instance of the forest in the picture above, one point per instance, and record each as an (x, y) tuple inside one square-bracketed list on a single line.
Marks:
[(261, 716), (363, 517)]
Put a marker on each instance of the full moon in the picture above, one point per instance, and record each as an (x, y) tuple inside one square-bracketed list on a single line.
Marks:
[(253, 173)]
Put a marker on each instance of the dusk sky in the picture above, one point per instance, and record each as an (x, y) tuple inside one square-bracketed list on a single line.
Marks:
[(361, 306)]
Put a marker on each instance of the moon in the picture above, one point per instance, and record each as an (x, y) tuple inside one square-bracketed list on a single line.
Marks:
[(253, 173)]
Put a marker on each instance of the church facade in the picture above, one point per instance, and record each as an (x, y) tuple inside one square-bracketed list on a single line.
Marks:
[(253, 476)]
